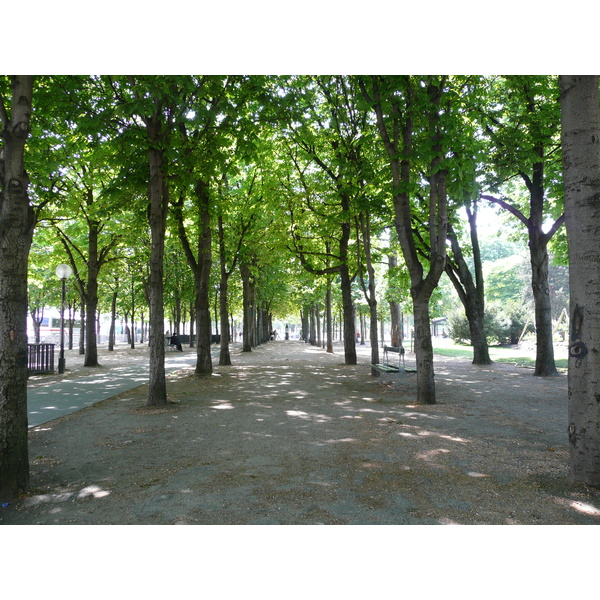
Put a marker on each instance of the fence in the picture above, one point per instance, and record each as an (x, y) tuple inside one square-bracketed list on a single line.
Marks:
[(40, 359)]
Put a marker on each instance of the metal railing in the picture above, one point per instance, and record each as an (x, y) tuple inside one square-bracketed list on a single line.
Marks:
[(40, 358)]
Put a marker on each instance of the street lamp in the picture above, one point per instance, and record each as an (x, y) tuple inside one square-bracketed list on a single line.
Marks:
[(63, 272)]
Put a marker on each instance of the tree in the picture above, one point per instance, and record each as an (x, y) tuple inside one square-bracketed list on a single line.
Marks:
[(580, 117), (87, 256), (150, 102), (397, 104), (328, 154), (87, 220), (232, 201), (17, 221), (525, 143), (470, 291)]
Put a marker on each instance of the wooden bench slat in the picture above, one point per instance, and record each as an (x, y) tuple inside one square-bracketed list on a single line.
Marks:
[(386, 368)]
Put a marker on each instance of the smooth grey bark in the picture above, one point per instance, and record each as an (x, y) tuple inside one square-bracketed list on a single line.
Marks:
[(580, 137)]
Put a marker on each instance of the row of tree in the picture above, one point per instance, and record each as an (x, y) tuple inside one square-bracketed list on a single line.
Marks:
[(291, 182)]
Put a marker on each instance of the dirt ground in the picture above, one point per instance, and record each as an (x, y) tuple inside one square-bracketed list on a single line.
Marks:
[(290, 435)]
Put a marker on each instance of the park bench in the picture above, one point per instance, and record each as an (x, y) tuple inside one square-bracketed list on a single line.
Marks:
[(397, 371), (398, 350)]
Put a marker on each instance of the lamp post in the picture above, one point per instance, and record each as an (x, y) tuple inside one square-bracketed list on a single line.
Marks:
[(63, 272)]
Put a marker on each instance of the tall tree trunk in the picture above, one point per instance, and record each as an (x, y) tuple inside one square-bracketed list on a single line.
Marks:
[(369, 290), (17, 221), (544, 358), (398, 143), (329, 318), (82, 327), (423, 348), (132, 329), (113, 318), (37, 316), (470, 294), (224, 353), (348, 310), (580, 116), (142, 328), (395, 337), (318, 323), (305, 324), (71, 312), (203, 322), (91, 296), (248, 307), (157, 218), (346, 286), (313, 325)]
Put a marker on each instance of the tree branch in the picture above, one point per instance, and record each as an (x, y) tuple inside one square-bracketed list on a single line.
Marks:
[(509, 207)]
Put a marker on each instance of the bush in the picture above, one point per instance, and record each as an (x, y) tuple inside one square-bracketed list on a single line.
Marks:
[(458, 327), (504, 323)]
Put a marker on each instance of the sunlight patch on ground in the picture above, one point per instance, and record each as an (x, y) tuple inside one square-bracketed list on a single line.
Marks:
[(445, 521), (307, 417), (581, 507), (89, 491), (92, 490), (586, 509), (455, 439), (223, 406), (416, 415), (431, 454), (475, 474), (260, 435), (426, 433)]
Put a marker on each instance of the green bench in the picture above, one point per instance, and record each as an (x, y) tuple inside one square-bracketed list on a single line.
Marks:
[(386, 368)]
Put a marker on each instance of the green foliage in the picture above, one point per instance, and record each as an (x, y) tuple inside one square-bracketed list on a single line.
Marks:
[(506, 278), (287, 147), (504, 323)]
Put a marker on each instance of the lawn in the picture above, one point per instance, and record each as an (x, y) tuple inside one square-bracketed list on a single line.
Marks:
[(522, 357)]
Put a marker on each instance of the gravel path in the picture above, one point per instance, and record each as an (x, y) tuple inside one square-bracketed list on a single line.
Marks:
[(291, 435)]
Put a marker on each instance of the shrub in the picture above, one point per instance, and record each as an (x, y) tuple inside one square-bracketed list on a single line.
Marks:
[(504, 323)]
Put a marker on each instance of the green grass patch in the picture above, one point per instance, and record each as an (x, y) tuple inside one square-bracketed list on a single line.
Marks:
[(497, 354)]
